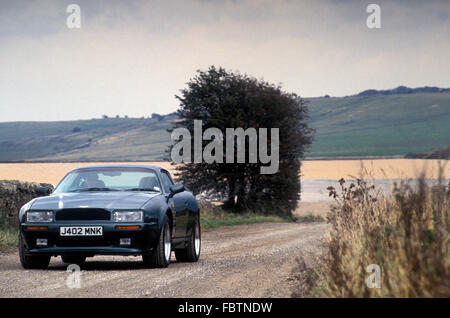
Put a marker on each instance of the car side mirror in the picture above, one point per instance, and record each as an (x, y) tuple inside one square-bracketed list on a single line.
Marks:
[(43, 191), (176, 188)]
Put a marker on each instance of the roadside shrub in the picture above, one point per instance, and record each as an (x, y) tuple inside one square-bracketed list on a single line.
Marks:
[(406, 234)]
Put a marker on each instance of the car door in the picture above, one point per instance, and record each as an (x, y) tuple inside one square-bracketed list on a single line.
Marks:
[(179, 206)]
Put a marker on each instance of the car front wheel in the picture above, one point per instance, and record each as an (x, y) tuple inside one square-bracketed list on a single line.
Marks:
[(31, 262), (161, 256), (191, 253)]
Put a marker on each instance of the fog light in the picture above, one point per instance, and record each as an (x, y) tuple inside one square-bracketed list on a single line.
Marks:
[(125, 241), (41, 242)]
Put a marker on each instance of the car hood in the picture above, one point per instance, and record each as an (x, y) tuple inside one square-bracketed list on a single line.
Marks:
[(98, 200)]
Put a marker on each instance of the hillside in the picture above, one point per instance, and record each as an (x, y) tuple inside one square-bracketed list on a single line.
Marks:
[(360, 125), (97, 139), (380, 125), (404, 90)]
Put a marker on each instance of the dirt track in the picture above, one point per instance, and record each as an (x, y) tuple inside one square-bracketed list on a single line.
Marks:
[(240, 261)]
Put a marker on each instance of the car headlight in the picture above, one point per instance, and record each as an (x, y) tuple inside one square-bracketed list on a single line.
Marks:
[(128, 216), (40, 216)]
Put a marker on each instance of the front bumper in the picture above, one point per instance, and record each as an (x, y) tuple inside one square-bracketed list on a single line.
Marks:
[(143, 240)]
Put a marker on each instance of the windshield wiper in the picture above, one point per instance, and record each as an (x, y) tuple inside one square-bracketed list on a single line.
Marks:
[(142, 189), (93, 189)]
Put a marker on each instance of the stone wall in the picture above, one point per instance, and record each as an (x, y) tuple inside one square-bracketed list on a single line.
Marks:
[(13, 195)]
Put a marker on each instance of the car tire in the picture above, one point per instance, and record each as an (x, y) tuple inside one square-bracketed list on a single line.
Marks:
[(31, 262), (160, 258), (191, 253), (69, 259)]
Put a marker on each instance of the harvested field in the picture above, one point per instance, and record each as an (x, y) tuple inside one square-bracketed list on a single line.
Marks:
[(311, 169)]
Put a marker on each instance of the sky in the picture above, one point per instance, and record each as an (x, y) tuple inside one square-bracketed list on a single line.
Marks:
[(132, 57)]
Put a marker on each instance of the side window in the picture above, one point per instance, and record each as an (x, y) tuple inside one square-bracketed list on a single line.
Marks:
[(167, 182)]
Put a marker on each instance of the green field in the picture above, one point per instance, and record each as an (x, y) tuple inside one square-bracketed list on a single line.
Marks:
[(379, 125)]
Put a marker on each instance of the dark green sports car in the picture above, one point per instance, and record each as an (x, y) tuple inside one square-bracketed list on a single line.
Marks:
[(111, 210)]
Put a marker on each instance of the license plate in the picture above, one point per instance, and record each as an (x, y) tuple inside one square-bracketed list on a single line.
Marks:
[(81, 231)]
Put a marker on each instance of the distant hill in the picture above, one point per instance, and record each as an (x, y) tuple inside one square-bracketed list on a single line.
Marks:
[(390, 124), (400, 90), (95, 139)]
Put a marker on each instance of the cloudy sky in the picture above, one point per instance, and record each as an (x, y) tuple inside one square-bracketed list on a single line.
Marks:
[(132, 57)]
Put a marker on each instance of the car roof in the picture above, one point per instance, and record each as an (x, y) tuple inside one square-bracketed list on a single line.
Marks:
[(121, 165)]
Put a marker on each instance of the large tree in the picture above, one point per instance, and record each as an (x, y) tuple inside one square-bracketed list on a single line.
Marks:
[(223, 99)]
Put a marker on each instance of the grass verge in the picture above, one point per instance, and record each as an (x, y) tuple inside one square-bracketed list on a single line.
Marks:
[(309, 218), (8, 236), (212, 216)]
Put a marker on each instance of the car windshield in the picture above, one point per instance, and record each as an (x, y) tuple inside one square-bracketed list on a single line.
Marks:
[(110, 179)]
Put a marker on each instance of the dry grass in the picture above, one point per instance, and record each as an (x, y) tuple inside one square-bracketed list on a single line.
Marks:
[(406, 234)]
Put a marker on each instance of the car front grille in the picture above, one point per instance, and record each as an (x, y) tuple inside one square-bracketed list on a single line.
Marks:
[(83, 215)]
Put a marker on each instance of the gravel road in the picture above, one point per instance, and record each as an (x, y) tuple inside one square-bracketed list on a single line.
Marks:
[(237, 261)]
